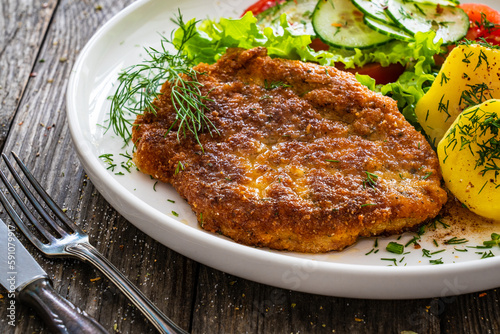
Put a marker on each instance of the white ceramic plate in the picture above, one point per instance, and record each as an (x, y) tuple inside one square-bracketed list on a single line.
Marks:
[(349, 273)]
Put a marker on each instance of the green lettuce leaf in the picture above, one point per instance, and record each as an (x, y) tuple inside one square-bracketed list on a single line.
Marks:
[(214, 37), (421, 71), (417, 78)]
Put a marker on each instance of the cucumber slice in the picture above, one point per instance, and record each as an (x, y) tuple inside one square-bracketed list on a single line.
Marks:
[(298, 14), (450, 23), (340, 24), (374, 9), (391, 30)]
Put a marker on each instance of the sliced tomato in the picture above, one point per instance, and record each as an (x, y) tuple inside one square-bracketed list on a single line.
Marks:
[(318, 45), (262, 5), (382, 75), (484, 22), (475, 11)]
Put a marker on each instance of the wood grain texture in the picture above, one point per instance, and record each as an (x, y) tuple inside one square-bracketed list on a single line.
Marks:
[(472, 313), (198, 298), (228, 304), (23, 25)]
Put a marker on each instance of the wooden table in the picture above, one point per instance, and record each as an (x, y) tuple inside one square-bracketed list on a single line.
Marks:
[(39, 43)]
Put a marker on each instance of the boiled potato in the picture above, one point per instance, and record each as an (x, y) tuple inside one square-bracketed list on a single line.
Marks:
[(469, 155), (469, 76)]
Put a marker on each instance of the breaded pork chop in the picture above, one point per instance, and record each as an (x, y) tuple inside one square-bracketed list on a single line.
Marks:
[(306, 159)]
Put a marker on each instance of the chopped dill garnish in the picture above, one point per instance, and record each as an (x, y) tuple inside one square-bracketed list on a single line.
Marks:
[(438, 261), (201, 219), (390, 259), (442, 107), (126, 155), (444, 79), (426, 252), (180, 167), (139, 85), (438, 219), (479, 247), (456, 241), (371, 180), (373, 249), (108, 159), (426, 176), (275, 84), (467, 56), (414, 241), (482, 57), (486, 255), (127, 165), (421, 230)]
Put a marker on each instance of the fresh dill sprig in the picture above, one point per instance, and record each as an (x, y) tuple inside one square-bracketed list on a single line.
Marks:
[(480, 41), (488, 25), (139, 85)]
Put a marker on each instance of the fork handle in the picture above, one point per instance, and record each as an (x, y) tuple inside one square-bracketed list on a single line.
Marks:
[(60, 315), (88, 253)]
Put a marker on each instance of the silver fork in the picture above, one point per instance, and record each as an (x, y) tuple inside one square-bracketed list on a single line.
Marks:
[(72, 244)]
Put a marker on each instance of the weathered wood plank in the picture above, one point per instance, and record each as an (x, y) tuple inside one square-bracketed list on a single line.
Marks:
[(23, 25), (473, 313), (228, 304), (40, 136)]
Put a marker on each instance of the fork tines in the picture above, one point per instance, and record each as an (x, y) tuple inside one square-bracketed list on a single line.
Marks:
[(35, 203)]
